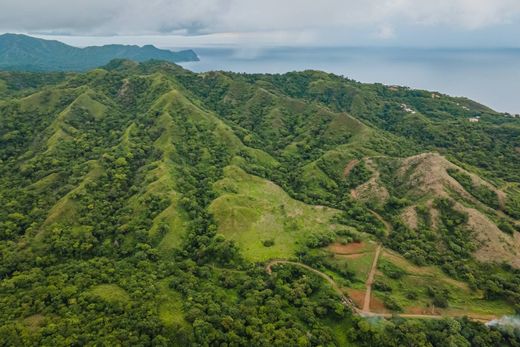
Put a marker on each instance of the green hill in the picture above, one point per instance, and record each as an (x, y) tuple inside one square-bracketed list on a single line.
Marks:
[(144, 204), (26, 53)]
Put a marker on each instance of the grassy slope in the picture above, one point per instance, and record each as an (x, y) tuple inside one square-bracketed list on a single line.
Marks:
[(462, 299), (250, 210)]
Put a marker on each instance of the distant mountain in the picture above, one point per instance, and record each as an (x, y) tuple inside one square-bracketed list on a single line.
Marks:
[(22, 52)]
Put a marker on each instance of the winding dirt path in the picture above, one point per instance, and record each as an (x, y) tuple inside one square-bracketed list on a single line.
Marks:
[(347, 302), (344, 299), (351, 165), (387, 225), (370, 280)]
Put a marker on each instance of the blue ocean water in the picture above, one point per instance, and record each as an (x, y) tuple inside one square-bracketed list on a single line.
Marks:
[(489, 76)]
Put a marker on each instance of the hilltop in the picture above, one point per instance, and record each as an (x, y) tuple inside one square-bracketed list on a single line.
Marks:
[(144, 204), (26, 53)]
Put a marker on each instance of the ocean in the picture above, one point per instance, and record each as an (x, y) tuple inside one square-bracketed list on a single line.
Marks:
[(488, 76)]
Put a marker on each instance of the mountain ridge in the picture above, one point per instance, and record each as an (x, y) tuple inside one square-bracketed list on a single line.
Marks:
[(146, 193), (20, 52)]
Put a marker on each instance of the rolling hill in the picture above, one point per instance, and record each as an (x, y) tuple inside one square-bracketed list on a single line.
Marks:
[(143, 204)]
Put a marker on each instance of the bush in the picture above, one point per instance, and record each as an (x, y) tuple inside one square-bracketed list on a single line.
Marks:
[(391, 304), (268, 243), (439, 296), (506, 227), (392, 271), (382, 286), (412, 295)]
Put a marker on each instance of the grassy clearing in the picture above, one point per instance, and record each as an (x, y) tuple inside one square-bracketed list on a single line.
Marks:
[(355, 257), (251, 210), (41, 185), (411, 290), (462, 300), (170, 306), (110, 293), (34, 322), (173, 217)]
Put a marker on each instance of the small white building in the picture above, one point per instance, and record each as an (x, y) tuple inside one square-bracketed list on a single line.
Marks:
[(474, 119), (407, 108)]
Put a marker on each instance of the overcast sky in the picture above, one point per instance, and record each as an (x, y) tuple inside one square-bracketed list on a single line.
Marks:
[(192, 23)]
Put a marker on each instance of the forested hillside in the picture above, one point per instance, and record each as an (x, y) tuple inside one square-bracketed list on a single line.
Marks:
[(25, 53), (144, 204)]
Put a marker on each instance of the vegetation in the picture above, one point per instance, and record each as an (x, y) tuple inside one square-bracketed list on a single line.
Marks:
[(26, 53), (142, 201)]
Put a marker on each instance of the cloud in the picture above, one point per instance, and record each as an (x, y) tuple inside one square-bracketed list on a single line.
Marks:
[(292, 19)]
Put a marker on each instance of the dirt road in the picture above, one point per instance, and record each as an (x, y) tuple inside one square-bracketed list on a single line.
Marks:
[(344, 299), (370, 280), (365, 312)]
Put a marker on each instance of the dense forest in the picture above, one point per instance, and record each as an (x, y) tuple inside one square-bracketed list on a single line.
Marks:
[(142, 203)]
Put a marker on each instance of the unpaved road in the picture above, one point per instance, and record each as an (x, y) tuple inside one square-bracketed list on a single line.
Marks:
[(352, 164), (344, 299), (350, 304), (387, 225), (370, 280)]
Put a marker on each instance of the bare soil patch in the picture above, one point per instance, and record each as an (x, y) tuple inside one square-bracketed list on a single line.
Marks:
[(421, 310), (409, 217), (377, 305), (372, 189), (349, 248), (351, 164), (357, 296), (350, 256), (494, 245)]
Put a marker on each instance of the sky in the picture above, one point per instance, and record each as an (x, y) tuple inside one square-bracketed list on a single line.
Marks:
[(192, 23)]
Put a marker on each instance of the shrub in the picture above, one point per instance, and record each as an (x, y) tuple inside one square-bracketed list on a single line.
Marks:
[(268, 243)]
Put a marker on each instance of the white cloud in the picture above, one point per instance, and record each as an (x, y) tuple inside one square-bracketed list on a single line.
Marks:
[(278, 19)]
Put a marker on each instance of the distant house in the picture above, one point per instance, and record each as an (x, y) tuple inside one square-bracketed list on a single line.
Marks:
[(474, 119), (407, 108)]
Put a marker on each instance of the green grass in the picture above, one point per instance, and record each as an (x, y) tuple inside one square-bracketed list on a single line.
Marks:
[(110, 293), (34, 322), (44, 183), (94, 108), (359, 265), (59, 129), (417, 279), (170, 306), (250, 210), (175, 220), (64, 210), (44, 100)]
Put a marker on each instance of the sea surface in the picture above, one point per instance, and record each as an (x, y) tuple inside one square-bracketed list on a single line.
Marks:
[(489, 76)]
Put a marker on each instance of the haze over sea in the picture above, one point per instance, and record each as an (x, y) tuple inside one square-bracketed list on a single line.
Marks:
[(489, 76)]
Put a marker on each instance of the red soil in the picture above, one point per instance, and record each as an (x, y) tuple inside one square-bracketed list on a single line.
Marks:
[(358, 296), (349, 248), (349, 167)]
